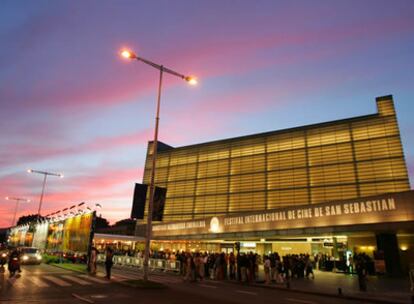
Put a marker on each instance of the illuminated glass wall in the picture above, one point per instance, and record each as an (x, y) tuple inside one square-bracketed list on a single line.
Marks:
[(337, 160)]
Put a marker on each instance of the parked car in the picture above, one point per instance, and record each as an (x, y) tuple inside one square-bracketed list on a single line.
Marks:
[(75, 257), (30, 255)]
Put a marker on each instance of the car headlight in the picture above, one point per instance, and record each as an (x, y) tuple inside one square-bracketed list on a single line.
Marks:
[(38, 257), (25, 258)]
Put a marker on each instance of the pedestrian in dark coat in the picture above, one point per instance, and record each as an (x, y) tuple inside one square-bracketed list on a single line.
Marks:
[(362, 273), (109, 262)]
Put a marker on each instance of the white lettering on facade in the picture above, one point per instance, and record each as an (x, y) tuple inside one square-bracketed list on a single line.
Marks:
[(362, 207)]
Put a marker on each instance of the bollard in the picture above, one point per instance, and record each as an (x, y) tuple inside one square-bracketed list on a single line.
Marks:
[(340, 291), (288, 284)]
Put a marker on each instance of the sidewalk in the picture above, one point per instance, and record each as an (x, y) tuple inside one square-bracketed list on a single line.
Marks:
[(381, 289)]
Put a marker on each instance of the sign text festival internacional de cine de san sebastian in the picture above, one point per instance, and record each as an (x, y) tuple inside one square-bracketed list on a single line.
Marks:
[(392, 207)]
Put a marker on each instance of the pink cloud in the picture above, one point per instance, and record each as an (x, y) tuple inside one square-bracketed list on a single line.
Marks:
[(117, 81), (223, 57), (91, 76), (99, 186), (14, 153)]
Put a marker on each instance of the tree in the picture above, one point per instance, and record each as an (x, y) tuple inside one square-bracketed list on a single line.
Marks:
[(125, 222), (25, 219), (101, 222)]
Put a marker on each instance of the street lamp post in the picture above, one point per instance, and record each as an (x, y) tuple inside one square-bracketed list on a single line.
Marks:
[(45, 174), (191, 80), (18, 200)]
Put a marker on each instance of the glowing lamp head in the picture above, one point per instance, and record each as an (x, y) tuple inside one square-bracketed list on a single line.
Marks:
[(128, 54), (61, 175), (29, 170), (191, 80), (7, 198)]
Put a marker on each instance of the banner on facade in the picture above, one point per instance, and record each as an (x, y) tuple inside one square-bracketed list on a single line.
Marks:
[(69, 235), (392, 207)]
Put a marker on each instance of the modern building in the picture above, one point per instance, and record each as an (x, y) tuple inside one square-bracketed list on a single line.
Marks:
[(339, 185)]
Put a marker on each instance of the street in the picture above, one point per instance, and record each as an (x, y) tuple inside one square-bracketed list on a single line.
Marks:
[(49, 284)]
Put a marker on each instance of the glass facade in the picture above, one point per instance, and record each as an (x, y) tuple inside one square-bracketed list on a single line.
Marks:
[(330, 161)]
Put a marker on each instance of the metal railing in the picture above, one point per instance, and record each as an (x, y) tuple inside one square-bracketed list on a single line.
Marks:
[(154, 264)]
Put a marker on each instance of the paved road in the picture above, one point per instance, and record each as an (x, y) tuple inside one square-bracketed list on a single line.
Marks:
[(48, 284)]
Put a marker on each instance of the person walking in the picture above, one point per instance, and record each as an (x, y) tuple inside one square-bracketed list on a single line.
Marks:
[(309, 268), (109, 262)]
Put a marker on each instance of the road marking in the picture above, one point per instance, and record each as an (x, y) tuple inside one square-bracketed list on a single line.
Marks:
[(207, 286), (99, 296), (247, 292), (76, 280), (117, 277), (93, 279), (12, 280), (57, 281), (19, 283), (37, 282), (300, 301), (82, 298), (216, 282)]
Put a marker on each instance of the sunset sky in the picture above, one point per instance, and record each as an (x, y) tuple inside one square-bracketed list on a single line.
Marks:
[(70, 104)]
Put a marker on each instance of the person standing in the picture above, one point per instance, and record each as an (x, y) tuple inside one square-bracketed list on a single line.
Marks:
[(109, 262), (244, 263), (238, 266), (188, 264), (361, 272), (92, 261), (200, 269), (232, 263), (267, 266)]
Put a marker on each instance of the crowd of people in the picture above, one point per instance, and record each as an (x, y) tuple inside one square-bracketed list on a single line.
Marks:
[(243, 267)]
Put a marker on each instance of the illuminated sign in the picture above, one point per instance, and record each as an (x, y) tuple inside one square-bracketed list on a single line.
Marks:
[(393, 207)]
